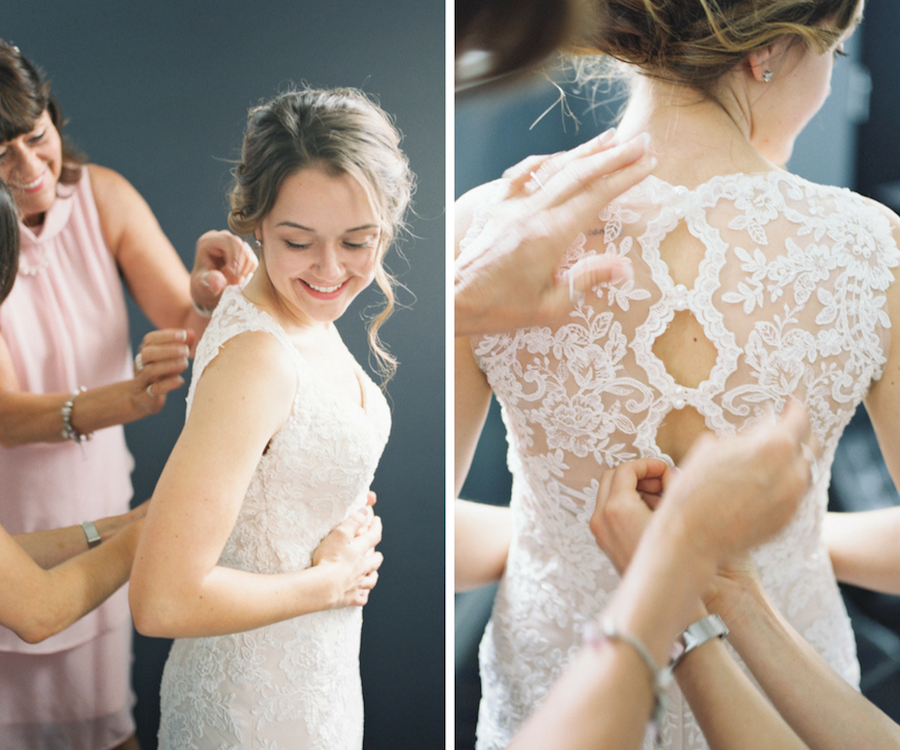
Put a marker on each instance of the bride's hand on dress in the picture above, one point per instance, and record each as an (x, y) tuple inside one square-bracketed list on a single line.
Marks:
[(349, 553), (508, 276), (161, 359)]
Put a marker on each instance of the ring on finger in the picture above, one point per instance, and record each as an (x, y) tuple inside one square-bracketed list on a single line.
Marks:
[(150, 391), (534, 184), (138, 362), (576, 296)]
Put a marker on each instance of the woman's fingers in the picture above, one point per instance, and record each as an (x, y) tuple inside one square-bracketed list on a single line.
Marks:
[(601, 177), (221, 258), (163, 353), (542, 170)]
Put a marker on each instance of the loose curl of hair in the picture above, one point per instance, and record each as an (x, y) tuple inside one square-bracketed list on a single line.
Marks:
[(344, 132), (697, 41), (9, 241), (24, 96)]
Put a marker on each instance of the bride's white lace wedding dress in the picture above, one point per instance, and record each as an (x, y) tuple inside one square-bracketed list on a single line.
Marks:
[(790, 291), (294, 685)]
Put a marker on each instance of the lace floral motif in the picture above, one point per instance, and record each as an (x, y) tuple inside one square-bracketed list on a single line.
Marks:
[(790, 291), (293, 685)]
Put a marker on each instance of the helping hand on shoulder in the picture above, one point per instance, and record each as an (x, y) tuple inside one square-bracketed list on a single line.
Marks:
[(221, 259), (508, 277)]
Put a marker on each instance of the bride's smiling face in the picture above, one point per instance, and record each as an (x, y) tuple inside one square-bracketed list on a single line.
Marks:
[(320, 244)]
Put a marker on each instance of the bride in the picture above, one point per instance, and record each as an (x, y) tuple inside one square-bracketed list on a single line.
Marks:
[(751, 287), (259, 549)]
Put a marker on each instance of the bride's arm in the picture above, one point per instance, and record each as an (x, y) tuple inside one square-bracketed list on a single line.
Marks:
[(863, 546), (481, 532), (177, 587)]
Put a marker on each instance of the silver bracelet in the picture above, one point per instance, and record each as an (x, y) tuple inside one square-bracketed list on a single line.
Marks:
[(91, 533), (698, 633), (69, 432), (596, 632)]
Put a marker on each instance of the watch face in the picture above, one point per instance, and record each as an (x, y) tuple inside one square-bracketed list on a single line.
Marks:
[(90, 531)]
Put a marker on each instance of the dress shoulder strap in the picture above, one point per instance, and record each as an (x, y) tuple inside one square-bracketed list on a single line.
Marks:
[(234, 315)]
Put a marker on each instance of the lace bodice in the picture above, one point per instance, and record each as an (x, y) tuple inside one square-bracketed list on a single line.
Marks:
[(294, 684), (784, 283)]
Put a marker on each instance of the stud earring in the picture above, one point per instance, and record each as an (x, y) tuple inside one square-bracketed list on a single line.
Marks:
[(258, 243), (767, 76)]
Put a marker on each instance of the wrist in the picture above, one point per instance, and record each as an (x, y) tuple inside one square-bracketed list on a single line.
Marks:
[(330, 582), (698, 633)]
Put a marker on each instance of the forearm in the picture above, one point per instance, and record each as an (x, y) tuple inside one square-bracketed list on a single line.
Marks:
[(864, 549), (481, 543), (728, 707), (50, 548), (602, 700), (37, 418), (60, 596), (800, 683), (605, 698), (226, 600)]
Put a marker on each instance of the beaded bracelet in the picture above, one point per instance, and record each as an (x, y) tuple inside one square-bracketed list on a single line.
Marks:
[(69, 432), (596, 632)]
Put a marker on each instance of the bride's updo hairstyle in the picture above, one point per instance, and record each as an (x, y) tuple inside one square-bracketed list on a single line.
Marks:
[(697, 41), (343, 132)]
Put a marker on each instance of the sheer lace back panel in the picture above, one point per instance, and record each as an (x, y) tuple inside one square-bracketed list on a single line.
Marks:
[(294, 684), (748, 291)]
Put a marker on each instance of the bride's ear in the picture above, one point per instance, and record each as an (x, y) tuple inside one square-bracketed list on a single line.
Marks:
[(764, 63)]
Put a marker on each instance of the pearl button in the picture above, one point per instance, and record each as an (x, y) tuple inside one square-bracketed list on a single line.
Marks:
[(680, 294), (679, 390), (678, 403)]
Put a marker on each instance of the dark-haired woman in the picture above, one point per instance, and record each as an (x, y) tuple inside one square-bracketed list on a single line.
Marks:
[(258, 550), (66, 376), (751, 287)]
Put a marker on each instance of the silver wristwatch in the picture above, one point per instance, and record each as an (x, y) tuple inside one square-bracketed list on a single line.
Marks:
[(698, 633), (91, 534)]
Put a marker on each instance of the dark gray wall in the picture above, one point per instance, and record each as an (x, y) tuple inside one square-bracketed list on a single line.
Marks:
[(159, 91)]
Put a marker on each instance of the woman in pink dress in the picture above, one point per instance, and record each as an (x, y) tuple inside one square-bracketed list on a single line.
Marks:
[(68, 383)]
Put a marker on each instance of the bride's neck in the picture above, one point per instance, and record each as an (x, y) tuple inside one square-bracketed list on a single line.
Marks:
[(693, 136)]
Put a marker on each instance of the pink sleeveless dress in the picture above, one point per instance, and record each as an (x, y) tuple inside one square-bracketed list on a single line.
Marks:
[(66, 325)]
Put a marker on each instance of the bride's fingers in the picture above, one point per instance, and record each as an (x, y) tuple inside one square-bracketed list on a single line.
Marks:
[(369, 536), (367, 583), (373, 562)]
